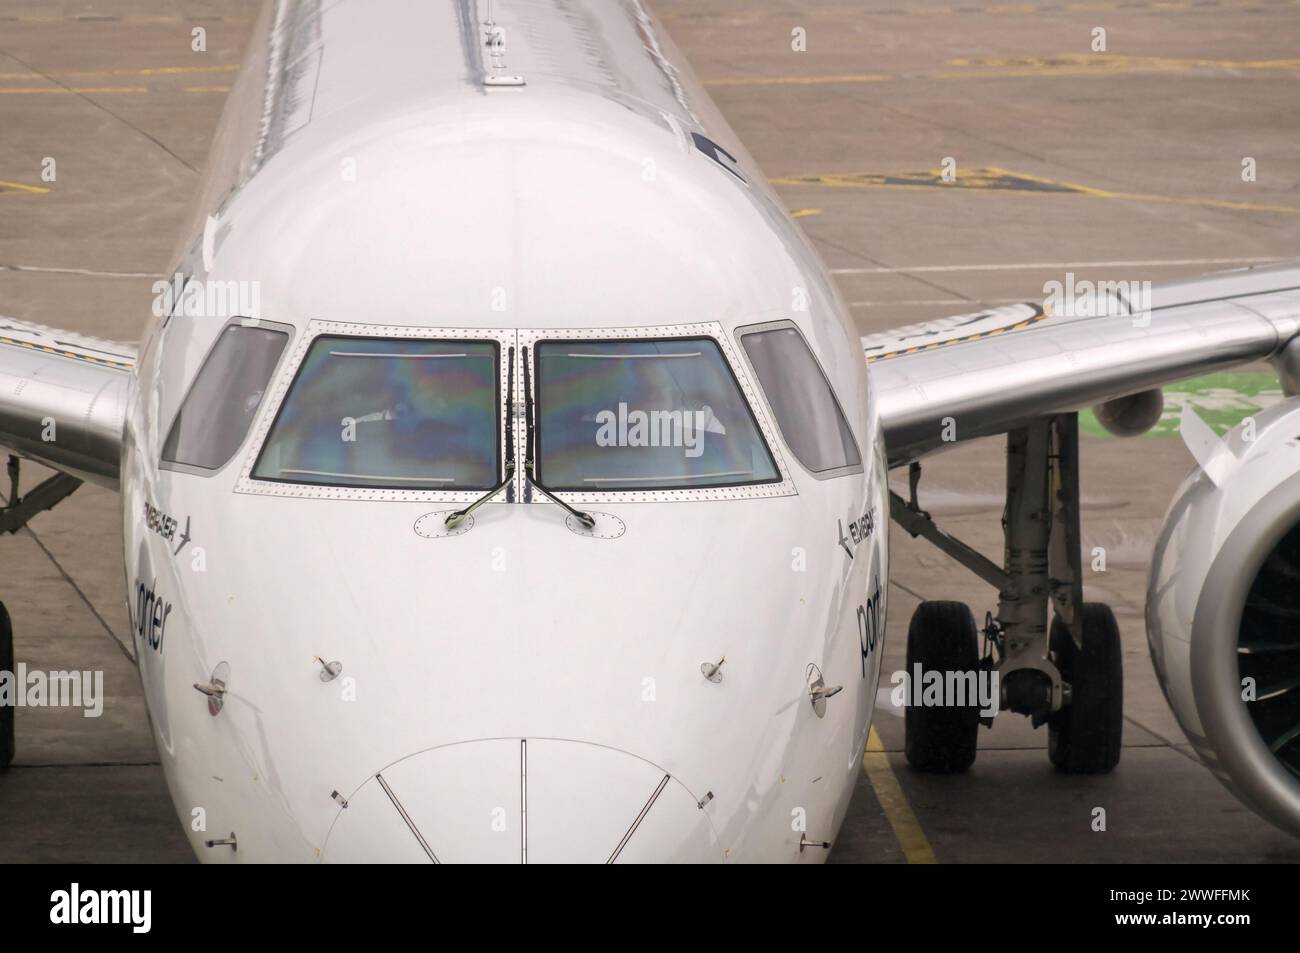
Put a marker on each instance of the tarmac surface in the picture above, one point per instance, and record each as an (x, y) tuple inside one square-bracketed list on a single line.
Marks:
[(1122, 164)]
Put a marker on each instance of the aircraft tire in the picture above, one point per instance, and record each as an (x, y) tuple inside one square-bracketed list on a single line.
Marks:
[(1084, 737), (7, 746), (941, 739)]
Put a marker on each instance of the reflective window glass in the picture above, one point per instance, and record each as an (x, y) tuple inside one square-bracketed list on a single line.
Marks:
[(217, 412), (643, 414), (400, 413), (801, 398)]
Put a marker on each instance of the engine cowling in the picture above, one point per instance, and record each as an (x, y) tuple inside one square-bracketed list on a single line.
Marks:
[(1223, 612)]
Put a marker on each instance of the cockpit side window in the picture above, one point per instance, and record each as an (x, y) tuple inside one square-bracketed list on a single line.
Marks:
[(389, 413), (218, 410), (629, 414), (801, 398)]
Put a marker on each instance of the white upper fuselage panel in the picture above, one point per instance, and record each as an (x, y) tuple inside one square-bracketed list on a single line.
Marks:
[(389, 174)]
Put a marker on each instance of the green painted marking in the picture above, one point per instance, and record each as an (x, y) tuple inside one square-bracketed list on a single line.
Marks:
[(1222, 400)]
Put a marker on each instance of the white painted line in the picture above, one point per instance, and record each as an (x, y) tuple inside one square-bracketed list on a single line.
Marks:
[(955, 302), (80, 271), (1056, 265)]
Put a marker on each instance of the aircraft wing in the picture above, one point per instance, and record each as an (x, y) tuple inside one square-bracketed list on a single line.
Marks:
[(63, 399), (994, 371)]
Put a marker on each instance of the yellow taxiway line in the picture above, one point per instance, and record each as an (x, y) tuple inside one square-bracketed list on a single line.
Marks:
[(907, 829)]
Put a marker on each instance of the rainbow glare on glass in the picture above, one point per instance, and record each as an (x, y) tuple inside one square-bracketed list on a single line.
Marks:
[(588, 392), (401, 413)]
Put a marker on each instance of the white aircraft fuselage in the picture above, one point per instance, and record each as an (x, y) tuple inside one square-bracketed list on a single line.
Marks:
[(514, 690)]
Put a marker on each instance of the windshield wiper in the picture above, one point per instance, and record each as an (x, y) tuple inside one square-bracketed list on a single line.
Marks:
[(530, 464), (454, 518)]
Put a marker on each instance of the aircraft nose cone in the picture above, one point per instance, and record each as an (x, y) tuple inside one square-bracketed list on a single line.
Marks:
[(512, 800)]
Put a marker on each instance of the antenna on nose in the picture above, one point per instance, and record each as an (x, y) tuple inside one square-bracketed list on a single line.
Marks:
[(329, 670)]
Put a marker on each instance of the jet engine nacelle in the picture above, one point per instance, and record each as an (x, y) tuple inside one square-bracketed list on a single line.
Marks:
[(1223, 608)]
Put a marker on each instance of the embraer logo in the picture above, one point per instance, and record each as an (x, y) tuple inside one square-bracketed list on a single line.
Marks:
[(94, 907), (165, 526), (718, 154), (159, 522), (860, 530)]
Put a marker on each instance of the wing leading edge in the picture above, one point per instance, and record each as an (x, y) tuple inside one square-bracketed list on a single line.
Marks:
[(63, 399), (987, 373)]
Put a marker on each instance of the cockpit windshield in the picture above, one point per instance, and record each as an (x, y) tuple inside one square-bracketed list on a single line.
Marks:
[(404, 413), (644, 414)]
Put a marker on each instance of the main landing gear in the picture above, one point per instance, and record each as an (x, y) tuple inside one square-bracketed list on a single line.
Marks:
[(1069, 677), (6, 710), (14, 515), (942, 638)]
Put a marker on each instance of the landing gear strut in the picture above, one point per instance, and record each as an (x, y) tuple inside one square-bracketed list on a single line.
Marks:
[(1071, 681), (14, 515), (6, 711)]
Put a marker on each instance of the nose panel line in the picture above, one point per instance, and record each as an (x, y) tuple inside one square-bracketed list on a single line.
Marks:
[(639, 818), (407, 818)]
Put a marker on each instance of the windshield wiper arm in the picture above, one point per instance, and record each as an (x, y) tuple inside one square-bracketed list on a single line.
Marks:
[(530, 464), (454, 518)]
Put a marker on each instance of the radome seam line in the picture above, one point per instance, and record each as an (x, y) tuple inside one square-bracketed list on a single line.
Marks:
[(639, 818), (407, 818)]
